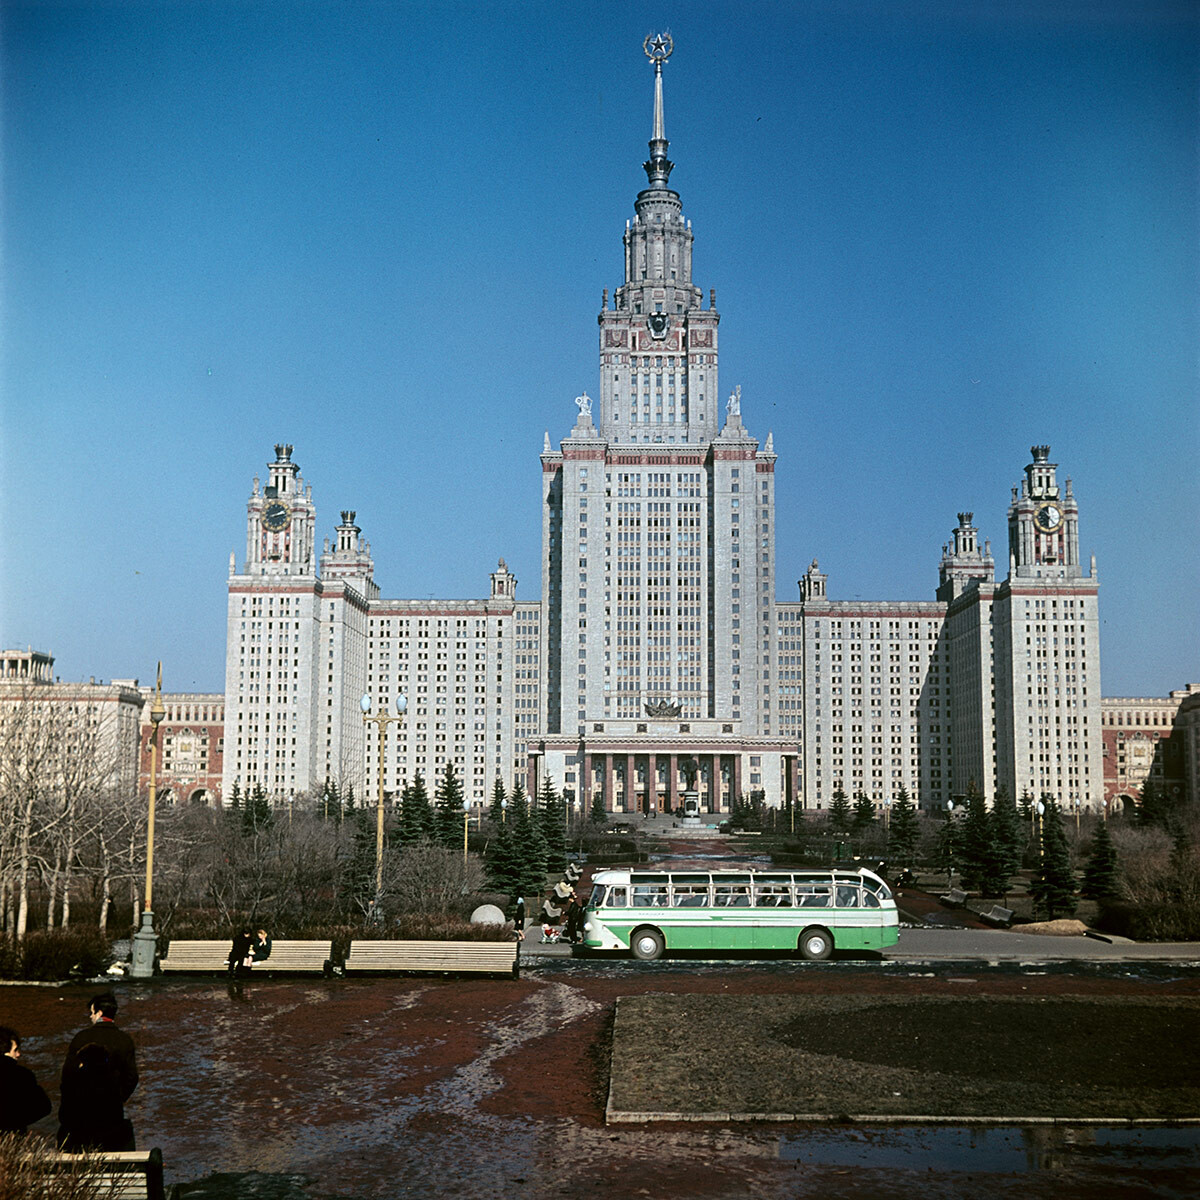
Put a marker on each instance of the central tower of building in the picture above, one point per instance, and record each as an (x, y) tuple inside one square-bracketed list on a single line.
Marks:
[(658, 531)]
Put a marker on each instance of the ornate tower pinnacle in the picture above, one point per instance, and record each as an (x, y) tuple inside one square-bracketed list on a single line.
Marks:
[(658, 48)]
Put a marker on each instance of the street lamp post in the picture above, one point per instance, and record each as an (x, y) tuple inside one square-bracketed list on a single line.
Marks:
[(1040, 808), (503, 812), (466, 827), (145, 943), (381, 721)]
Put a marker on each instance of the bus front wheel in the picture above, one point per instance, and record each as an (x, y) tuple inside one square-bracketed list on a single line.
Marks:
[(816, 944), (647, 944)]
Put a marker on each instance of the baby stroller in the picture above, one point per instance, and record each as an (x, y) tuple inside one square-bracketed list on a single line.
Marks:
[(553, 933)]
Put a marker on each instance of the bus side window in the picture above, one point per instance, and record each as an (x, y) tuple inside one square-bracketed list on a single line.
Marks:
[(870, 900), (813, 898), (617, 898), (847, 896)]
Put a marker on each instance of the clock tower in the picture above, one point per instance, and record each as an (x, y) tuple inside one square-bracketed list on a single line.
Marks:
[(1043, 523), (280, 522)]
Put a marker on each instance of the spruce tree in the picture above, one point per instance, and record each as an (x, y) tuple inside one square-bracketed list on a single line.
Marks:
[(1101, 879), (416, 816), (256, 812), (1007, 831), (500, 860), (839, 811), (904, 829), (1028, 818), (1053, 886), (530, 846), (1154, 808), (233, 811), (448, 818), (552, 815), (946, 849), (496, 808), (975, 848), (864, 814), (599, 814)]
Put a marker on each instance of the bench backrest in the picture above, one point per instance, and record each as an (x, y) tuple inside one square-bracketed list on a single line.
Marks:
[(209, 955), (414, 955), (117, 1175)]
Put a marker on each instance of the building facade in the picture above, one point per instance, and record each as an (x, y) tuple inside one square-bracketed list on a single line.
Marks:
[(191, 747), (1146, 738), (658, 657), (67, 736)]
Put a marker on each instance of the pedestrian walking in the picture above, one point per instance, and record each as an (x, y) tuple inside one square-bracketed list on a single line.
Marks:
[(22, 1100)]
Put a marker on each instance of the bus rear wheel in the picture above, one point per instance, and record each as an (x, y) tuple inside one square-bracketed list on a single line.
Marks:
[(816, 944), (647, 944)]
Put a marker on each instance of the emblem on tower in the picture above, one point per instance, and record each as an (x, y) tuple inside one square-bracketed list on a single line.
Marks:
[(658, 47)]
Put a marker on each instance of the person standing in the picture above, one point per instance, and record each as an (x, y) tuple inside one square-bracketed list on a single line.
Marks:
[(99, 1075), (22, 1100)]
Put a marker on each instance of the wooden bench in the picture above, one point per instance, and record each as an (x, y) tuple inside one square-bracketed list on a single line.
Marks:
[(111, 1174), (954, 898), (1000, 917), (201, 957), (490, 958)]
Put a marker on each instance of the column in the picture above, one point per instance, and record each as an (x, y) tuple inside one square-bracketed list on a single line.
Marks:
[(736, 782), (630, 784), (609, 772), (585, 789), (651, 782), (673, 781), (714, 783)]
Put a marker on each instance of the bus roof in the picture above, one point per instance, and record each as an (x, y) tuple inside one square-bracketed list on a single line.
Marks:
[(617, 875)]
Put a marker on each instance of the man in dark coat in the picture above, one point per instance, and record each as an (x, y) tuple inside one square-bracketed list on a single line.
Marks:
[(103, 1031), (22, 1100), (99, 1075), (239, 953)]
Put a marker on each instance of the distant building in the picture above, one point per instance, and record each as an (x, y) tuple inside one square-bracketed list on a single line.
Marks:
[(68, 733), (659, 652), (1147, 738), (1188, 722), (191, 747)]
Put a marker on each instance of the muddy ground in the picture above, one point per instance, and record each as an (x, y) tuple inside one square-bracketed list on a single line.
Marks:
[(418, 1086)]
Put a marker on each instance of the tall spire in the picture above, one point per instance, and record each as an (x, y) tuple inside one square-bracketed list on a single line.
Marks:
[(658, 49)]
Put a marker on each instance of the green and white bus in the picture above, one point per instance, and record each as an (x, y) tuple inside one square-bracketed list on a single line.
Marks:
[(814, 912)]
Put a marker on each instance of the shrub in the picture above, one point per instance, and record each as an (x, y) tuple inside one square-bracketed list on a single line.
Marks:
[(62, 953), (23, 1173)]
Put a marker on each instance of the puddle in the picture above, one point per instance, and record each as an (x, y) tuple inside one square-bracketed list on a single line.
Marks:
[(992, 1150)]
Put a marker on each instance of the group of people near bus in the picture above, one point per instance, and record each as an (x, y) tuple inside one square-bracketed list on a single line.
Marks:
[(99, 1075)]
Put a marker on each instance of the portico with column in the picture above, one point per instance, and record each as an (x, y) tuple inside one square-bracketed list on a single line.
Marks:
[(642, 766)]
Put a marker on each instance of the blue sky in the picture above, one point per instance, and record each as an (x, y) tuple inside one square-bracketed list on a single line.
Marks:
[(939, 234)]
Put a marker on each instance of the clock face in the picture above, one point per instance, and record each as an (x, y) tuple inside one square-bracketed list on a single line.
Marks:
[(659, 324), (276, 516), (1048, 517)]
